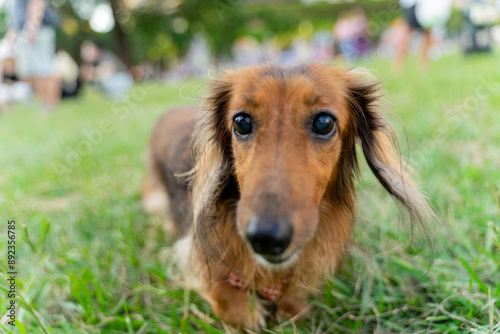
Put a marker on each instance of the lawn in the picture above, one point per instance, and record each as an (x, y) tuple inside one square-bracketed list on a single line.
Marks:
[(89, 260)]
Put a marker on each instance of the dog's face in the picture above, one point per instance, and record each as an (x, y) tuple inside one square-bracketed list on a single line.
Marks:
[(287, 136)]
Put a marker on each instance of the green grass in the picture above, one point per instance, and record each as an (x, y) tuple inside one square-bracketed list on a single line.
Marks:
[(89, 260)]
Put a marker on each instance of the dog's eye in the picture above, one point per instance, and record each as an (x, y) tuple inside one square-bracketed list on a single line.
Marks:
[(242, 124), (324, 125)]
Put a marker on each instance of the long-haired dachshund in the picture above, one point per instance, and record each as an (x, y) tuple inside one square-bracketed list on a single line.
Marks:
[(260, 183)]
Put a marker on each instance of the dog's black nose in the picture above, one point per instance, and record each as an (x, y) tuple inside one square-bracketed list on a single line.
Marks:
[(269, 238)]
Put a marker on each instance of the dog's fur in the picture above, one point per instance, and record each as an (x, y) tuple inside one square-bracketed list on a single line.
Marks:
[(281, 171)]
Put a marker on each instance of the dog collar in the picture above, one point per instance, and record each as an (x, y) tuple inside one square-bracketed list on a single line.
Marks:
[(271, 292)]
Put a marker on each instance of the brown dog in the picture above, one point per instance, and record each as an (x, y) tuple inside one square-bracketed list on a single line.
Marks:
[(265, 205)]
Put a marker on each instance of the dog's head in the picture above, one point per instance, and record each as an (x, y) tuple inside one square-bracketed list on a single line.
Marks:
[(280, 143)]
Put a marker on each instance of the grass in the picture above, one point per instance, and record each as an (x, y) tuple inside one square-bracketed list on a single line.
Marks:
[(89, 260)]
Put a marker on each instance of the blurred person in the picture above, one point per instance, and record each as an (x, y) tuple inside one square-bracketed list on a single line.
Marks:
[(302, 50), (105, 70), (391, 38), (34, 22), (322, 43), (363, 43), (11, 89), (480, 16), (421, 16), (67, 70), (351, 33), (198, 57), (7, 54), (247, 51), (271, 52), (344, 34)]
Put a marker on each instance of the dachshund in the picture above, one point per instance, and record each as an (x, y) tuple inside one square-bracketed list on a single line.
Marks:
[(260, 183)]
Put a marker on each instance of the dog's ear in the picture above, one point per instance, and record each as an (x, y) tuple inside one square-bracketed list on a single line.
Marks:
[(212, 179), (380, 148)]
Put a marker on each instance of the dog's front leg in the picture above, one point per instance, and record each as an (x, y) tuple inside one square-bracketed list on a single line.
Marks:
[(237, 307), (292, 303)]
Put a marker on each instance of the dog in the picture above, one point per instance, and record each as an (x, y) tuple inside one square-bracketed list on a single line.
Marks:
[(260, 183)]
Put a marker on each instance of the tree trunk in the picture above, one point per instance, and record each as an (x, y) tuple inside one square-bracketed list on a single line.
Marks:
[(123, 50)]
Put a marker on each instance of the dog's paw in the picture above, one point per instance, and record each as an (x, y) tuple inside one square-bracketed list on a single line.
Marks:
[(237, 308), (290, 307), (244, 317)]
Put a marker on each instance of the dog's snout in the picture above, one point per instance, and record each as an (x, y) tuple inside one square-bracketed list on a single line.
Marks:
[(269, 238)]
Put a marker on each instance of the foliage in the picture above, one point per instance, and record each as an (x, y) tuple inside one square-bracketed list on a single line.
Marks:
[(151, 35)]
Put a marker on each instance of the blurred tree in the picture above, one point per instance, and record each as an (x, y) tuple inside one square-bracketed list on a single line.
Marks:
[(160, 31), (123, 48)]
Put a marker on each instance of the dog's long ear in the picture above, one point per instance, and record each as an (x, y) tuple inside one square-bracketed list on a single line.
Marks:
[(380, 148), (212, 177)]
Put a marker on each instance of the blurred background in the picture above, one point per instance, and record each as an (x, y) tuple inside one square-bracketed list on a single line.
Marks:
[(113, 43), (82, 83)]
